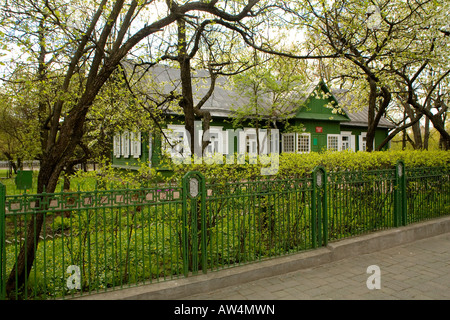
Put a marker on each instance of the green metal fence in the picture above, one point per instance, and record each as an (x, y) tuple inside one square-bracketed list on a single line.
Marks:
[(107, 239)]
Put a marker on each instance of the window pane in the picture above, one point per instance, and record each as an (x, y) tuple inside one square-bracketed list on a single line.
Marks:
[(303, 143), (345, 142), (333, 143), (288, 143)]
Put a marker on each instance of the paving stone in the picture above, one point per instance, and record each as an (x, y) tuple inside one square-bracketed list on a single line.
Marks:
[(418, 270)]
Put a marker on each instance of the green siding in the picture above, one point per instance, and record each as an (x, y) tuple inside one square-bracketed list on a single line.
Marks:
[(315, 107), (318, 139), (131, 162), (313, 118), (380, 134)]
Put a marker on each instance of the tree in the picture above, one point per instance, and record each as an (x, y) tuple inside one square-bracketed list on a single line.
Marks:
[(372, 43), (86, 45), (273, 89)]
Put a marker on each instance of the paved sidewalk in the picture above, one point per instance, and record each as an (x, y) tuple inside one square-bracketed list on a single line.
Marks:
[(417, 270)]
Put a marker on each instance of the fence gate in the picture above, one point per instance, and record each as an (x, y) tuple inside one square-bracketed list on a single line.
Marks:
[(194, 223)]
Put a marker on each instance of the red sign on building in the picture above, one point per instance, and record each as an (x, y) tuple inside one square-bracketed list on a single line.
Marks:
[(319, 129)]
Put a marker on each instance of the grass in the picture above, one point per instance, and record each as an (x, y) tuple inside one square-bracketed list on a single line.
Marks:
[(86, 183), (125, 243)]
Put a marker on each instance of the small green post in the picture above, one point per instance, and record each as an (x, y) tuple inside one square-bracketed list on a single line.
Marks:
[(400, 213), (2, 242), (194, 192), (403, 196), (319, 215)]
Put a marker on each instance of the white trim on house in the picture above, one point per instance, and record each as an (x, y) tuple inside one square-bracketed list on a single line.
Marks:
[(248, 142), (288, 144), (117, 146), (218, 141), (303, 142), (296, 142), (178, 142), (347, 141), (127, 144), (362, 141), (334, 142), (135, 141)]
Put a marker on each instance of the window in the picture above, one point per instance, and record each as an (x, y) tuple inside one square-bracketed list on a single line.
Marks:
[(303, 142), (288, 142), (296, 142), (126, 144), (247, 141), (251, 143), (347, 141), (117, 146), (175, 142), (274, 138), (363, 141), (333, 142), (345, 145), (136, 144), (217, 140), (213, 146)]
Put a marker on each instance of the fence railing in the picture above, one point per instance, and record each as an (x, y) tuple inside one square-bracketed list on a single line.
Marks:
[(107, 239)]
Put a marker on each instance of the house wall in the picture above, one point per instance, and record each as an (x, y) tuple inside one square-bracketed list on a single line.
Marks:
[(132, 160), (380, 135), (314, 128)]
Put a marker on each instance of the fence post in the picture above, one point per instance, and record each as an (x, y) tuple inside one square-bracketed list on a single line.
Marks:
[(319, 216), (194, 199), (2, 242), (400, 214)]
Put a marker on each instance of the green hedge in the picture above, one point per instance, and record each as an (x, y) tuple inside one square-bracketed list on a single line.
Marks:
[(301, 164), (290, 165)]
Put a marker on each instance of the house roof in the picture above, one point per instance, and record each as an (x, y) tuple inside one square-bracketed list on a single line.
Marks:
[(358, 118), (160, 80)]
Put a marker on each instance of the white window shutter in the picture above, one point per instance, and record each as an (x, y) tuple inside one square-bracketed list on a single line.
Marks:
[(242, 144), (263, 141), (274, 141), (224, 141), (126, 144), (136, 144), (353, 142), (116, 146)]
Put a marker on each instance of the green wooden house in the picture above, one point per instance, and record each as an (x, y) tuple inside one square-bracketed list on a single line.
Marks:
[(318, 120)]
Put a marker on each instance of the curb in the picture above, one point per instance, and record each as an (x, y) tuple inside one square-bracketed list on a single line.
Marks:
[(341, 249)]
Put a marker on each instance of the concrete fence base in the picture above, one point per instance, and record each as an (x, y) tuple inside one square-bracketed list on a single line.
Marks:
[(214, 280)]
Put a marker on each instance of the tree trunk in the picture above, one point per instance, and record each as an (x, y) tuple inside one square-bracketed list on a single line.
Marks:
[(426, 136), (370, 137), (53, 163)]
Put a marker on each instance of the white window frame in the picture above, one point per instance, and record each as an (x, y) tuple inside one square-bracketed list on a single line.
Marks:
[(222, 147), (263, 141), (170, 147), (136, 144), (247, 138), (362, 143), (251, 143), (126, 144), (339, 142), (284, 137), (117, 145), (351, 140), (297, 140), (274, 139)]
